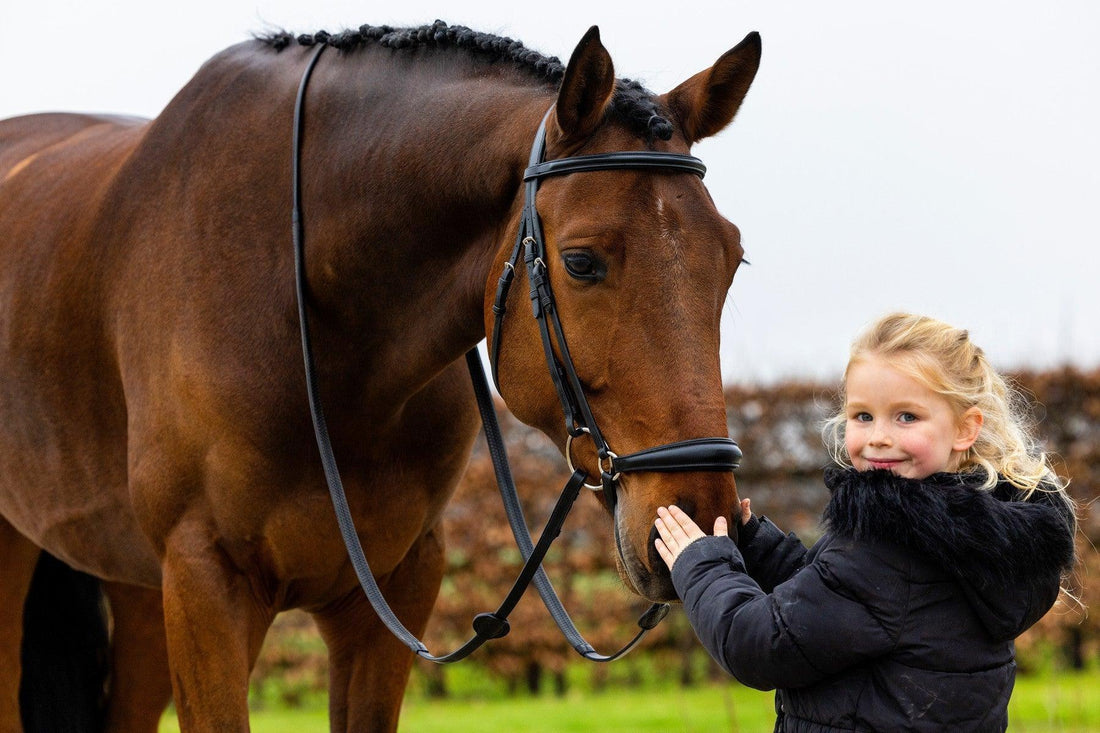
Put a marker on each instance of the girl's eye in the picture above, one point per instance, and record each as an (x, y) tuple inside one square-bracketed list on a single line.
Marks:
[(583, 264), (862, 417), (907, 417)]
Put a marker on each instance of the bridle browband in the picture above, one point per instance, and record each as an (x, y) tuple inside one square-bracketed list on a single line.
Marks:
[(700, 454), (697, 454)]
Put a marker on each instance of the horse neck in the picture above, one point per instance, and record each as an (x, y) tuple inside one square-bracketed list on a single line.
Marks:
[(418, 180)]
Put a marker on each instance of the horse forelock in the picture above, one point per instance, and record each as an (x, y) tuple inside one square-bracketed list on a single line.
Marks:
[(631, 104)]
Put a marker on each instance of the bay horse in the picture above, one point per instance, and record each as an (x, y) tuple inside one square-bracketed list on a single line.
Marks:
[(155, 432)]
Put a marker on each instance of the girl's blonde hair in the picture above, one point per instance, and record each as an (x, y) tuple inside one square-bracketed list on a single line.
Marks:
[(944, 359)]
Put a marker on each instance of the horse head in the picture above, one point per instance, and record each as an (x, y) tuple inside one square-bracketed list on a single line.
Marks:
[(638, 261)]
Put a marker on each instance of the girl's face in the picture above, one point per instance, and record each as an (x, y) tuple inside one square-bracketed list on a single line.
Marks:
[(897, 423)]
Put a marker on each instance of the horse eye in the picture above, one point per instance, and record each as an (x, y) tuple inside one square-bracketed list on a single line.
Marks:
[(582, 264)]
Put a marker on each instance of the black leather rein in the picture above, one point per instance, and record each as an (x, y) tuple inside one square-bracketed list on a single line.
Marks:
[(703, 454)]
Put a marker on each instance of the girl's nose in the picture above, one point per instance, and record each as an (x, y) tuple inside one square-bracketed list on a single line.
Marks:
[(879, 436)]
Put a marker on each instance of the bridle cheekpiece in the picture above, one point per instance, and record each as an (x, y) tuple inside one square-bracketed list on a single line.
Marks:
[(700, 454), (696, 454)]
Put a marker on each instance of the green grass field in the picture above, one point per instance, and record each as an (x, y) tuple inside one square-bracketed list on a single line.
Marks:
[(1067, 702)]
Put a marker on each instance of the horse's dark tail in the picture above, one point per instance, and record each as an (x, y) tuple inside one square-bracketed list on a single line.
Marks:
[(65, 651)]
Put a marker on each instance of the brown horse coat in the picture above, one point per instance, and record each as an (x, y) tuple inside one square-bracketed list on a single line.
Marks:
[(155, 431)]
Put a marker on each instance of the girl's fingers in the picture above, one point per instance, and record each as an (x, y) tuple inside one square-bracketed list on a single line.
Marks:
[(683, 524), (672, 518), (721, 529), (667, 556), (676, 530), (667, 538), (666, 547)]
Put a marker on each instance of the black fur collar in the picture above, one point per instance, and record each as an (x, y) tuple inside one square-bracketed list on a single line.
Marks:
[(1002, 549)]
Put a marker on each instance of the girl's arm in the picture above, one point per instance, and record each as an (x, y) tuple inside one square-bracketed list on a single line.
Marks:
[(832, 615), (771, 556)]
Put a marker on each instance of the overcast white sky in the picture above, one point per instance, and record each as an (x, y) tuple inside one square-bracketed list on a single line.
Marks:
[(940, 157)]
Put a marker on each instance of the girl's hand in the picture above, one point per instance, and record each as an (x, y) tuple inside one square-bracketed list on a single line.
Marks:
[(746, 512), (677, 531)]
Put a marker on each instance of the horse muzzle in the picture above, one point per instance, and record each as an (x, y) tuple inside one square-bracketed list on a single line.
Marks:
[(701, 496)]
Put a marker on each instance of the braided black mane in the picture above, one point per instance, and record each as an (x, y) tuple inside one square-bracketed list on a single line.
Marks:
[(631, 102)]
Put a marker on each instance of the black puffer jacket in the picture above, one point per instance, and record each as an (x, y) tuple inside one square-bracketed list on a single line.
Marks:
[(901, 617)]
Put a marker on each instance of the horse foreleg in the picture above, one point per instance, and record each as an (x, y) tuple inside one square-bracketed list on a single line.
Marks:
[(368, 666), (140, 683), (215, 625), (18, 556)]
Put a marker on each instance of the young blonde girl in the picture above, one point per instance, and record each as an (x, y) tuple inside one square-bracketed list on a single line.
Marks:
[(947, 534)]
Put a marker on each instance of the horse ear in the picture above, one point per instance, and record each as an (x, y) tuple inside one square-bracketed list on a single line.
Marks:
[(585, 89), (705, 103)]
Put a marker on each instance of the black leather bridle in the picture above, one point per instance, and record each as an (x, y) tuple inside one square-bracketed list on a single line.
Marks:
[(700, 454), (696, 454)]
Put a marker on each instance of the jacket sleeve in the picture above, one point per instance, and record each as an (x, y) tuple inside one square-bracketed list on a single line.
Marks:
[(771, 557), (844, 608)]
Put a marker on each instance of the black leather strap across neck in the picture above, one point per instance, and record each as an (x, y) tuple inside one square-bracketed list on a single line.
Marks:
[(487, 626), (697, 454)]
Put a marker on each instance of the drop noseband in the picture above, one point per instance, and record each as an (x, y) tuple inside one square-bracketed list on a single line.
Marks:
[(696, 454)]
